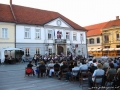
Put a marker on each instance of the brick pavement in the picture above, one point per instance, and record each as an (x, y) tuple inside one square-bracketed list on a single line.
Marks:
[(12, 78)]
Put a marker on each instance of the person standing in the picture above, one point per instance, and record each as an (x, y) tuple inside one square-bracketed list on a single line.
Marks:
[(71, 57), (35, 59)]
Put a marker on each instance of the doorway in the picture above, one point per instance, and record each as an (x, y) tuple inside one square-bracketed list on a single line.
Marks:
[(59, 50)]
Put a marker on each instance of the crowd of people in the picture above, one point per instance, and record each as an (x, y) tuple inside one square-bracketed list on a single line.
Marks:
[(64, 67)]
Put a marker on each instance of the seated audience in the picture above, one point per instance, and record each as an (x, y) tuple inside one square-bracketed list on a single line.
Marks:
[(42, 68), (84, 66), (95, 62), (51, 68), (111, 70), (64, 66), (92, 68), (56, 68), (98, 71), (89, 62), (68, 74), (30, 65), (79, 63), (115, 63), (105, 64)]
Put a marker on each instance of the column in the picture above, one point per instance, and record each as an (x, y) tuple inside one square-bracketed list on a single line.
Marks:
[(55, 49), (65, 49)]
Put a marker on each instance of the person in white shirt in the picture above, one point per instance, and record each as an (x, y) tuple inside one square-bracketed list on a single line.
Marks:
[(50, 68), (95, 62), (97, 72), (84, 66), (89, 62), (56, 57)]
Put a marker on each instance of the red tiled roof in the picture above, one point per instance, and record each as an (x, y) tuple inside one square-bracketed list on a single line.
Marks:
[(112, 23), (5, 13), (27, 15), (95, 29)]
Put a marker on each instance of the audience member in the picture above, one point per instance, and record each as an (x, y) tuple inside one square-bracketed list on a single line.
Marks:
[(98, 71)]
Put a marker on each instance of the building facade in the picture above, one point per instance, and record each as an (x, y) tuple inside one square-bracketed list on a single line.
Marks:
[(103, 39), (111, 38), (7, 38), (94, 39), (52, 38), (43, 32)]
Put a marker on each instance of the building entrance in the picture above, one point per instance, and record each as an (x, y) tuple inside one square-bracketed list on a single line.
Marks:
[(60, 50)]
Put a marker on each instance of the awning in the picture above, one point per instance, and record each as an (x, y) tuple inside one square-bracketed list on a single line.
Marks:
[(10, 49), (106, 49), (89, 50), (99, 49), (93, 49), (117, 49), (111, 49)]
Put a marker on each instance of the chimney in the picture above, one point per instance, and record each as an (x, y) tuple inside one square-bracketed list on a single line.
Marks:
[(117, 17), (12, 11), (10, 2)]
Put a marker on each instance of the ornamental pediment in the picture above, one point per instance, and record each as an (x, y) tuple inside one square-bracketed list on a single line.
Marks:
[(58, 23)]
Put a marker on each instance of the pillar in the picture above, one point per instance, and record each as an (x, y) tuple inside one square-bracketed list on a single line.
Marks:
[(65, 49), (55, 49)]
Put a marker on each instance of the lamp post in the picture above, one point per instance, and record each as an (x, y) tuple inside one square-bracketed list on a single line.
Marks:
[(81, 38)]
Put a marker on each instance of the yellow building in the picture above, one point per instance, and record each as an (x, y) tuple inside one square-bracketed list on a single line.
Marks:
[(7, 28), (7, 35), (111, 38)]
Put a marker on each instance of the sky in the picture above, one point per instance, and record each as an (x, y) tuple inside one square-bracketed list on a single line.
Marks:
[(82, 12)]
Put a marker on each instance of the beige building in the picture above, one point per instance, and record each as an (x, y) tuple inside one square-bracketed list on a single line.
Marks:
[(104, 39), (94, 39), (7, 35), (111, 38)]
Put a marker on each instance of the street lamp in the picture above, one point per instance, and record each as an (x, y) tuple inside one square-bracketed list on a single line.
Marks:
[(81, 39)]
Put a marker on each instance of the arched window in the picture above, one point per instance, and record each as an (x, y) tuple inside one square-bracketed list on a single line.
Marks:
[(91, 41)]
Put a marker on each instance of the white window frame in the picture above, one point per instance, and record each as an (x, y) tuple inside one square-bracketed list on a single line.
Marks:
[(74, 36), (50, 32), (50, 51), (4, 35), (68, 35), (37, 34), (28, 33)]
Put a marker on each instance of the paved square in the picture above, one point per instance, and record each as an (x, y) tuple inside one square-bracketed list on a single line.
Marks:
[(12, 78)]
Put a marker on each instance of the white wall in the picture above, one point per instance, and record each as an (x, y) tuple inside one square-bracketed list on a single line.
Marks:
[(78, 41), (44, 35), (20, 29)]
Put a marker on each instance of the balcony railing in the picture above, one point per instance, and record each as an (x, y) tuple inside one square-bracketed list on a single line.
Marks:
[(60, 41)]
